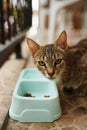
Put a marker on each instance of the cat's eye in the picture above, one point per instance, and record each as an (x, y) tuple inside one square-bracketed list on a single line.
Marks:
[(41, 63), (58, 61)]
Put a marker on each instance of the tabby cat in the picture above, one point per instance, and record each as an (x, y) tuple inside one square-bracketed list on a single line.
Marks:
[(59, 61)]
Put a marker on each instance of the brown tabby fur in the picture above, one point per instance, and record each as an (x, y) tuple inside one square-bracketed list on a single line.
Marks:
[(67, 64)]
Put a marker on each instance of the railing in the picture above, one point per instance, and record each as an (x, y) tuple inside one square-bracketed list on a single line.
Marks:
[(15, 19)]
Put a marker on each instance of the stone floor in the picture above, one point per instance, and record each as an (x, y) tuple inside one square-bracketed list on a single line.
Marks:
[(74, 109), (74, 117), (8, 77)]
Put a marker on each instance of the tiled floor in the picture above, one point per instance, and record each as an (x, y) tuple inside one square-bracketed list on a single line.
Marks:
[(74, 117), (74, 109)]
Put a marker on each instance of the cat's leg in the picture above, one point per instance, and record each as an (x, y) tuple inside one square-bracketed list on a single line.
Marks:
[(81, 91)]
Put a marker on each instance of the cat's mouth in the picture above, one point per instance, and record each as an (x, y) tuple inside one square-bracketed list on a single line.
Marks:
[(50, 77)]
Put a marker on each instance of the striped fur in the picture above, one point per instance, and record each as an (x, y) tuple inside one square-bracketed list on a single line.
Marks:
[(67, 64)]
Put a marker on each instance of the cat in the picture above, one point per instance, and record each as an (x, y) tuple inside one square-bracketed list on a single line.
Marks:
[(59, 61)]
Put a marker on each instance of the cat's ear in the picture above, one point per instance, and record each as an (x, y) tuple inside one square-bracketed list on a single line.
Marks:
[(62, 41), (33, 46)]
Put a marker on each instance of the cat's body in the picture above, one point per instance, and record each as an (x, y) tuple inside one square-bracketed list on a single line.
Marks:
[(75, 72), (67, 64)]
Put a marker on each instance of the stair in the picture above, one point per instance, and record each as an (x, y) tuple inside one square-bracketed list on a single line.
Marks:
[(9, 74)]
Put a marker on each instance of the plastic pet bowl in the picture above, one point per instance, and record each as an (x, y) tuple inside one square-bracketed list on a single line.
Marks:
[(35, 98)]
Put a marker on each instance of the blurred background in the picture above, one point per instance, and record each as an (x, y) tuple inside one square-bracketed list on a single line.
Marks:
[(51, 17)]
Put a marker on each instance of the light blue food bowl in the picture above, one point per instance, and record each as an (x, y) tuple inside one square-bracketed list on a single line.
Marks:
[(32, 74), (42, 105)]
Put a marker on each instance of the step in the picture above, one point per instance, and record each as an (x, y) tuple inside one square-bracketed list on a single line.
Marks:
[(9, 74)]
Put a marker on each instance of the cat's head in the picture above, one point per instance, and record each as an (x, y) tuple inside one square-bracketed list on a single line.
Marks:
[(49, 59)]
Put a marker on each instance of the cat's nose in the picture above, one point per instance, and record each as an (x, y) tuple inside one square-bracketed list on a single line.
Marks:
[(50, 72)]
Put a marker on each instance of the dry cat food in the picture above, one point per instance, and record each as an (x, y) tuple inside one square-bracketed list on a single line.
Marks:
[(46, 96), (28, 95)]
